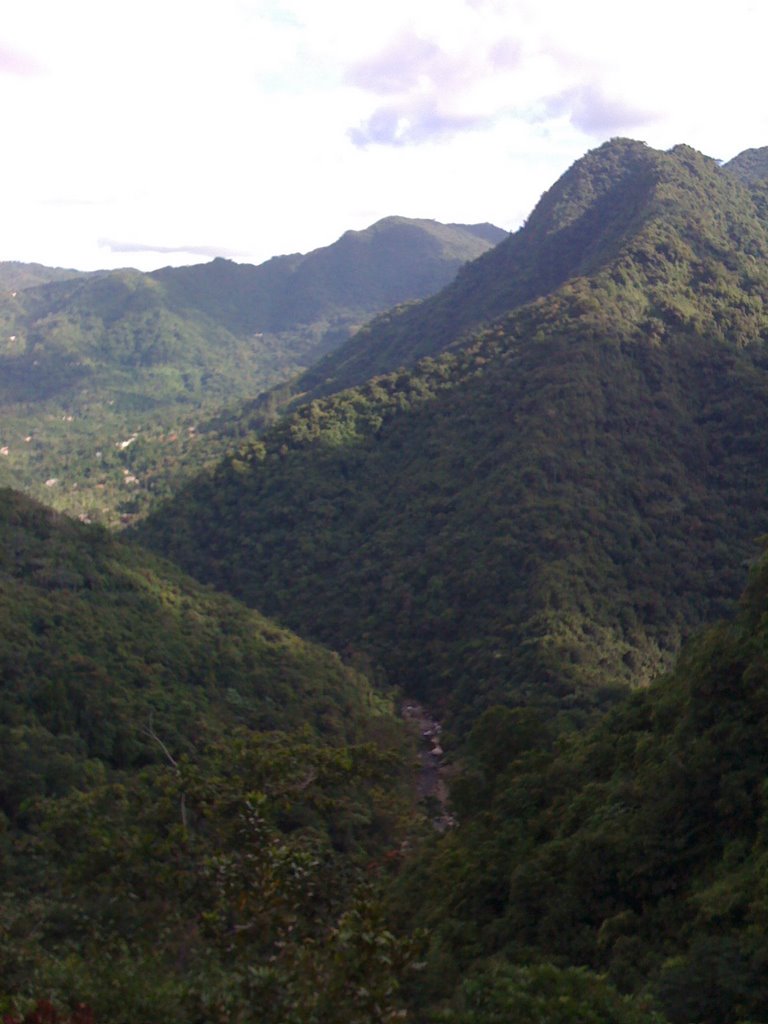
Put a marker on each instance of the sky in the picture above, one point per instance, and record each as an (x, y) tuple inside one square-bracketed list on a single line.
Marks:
[(152, 133)]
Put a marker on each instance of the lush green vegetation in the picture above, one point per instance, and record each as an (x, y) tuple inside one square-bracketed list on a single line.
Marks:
[(236, 884), (663, 226), (103, 645), (637, 849), (15, 275), (91, 365), (208, 819), (544, 511), (193, 801), (616, 875), (751, 166)]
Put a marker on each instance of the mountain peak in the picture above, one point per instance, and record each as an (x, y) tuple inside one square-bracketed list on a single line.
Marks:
[(625, 209), (598, 172), (750, 166), (599, 370)]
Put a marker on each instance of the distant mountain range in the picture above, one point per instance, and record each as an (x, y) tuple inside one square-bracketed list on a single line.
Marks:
[(15, 275), (90, 361), (393, 261)]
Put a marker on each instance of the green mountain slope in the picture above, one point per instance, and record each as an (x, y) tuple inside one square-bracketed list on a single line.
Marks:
[(88, 363), (15, 275), (576, 226), (541, 513), (332, 288), (100, 642), (190, 798), (751, 166), (622, 192), (637, 849)]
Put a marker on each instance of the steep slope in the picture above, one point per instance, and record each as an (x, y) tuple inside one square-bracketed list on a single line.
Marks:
[(618, 194), (108, 654), (91, 361), (190, 798), (751, 166), (637, 849), (541, 513), (576, 226)]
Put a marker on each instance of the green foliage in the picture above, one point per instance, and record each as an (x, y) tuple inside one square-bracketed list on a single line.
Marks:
[(105, 651), (520, 520), (91, 361), (15, 275), (232, 885), (545, 510), (524, 523), (666, 227), (637, 849), (751, 166), (543, 994), (193, 801)]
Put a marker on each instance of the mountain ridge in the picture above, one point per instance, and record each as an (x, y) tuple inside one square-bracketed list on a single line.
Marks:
[(561, 239), (606, 421), (520, 527), (750, 166), (90, 361), (394, 259)]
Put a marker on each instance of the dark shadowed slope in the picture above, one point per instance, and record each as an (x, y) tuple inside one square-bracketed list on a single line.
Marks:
[(102, 645), (637, 849)]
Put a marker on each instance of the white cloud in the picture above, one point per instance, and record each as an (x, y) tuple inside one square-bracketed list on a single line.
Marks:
[(188, 127)]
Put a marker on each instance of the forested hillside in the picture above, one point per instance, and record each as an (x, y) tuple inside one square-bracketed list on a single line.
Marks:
[(751, 166), (616, 875), (637, 849), (617, 197), (542, 512), (189, 795), (108, 381), (99, 640), (15, 275), (533, 506)]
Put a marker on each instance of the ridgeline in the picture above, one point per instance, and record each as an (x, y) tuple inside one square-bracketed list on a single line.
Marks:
[(543, 509), (110, 383), (530, 501)]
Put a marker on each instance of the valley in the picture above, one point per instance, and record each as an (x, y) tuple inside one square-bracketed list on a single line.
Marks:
[(384, 630), (90, 360)]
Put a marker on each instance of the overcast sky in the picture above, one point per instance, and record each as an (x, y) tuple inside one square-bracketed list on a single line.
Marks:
[(157, 132)]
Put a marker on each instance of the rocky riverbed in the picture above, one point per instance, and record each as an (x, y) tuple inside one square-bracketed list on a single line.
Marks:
[(431, 784)]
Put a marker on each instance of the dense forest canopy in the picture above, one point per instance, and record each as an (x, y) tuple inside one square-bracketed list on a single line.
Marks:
[(637, 849), (543, 509), (531, 502), (169, 758), (99, 640), (114, 387)]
